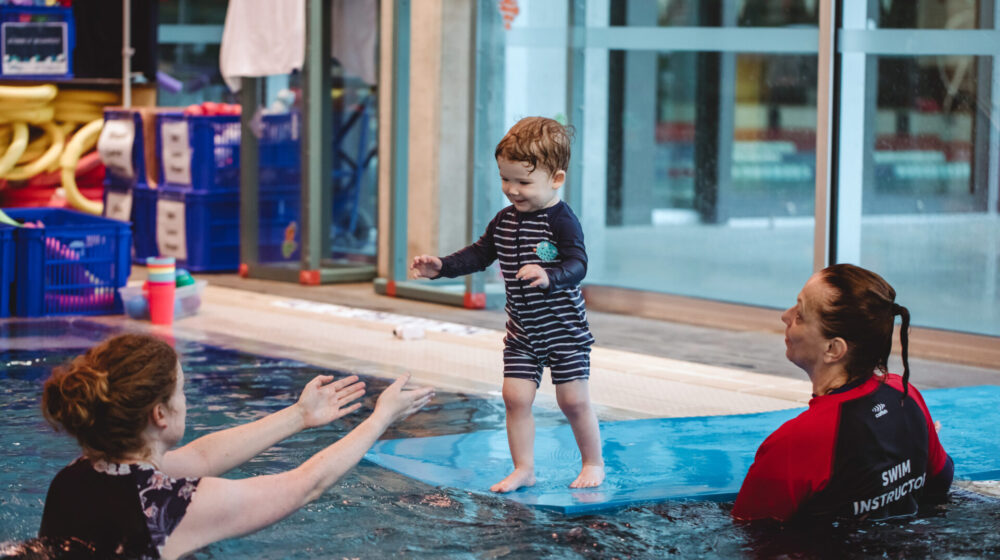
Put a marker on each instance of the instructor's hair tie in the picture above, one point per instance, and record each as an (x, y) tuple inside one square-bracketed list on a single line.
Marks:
[(896, 309)]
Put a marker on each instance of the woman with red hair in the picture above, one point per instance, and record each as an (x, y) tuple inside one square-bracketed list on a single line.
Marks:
[(866, 448), (132, 494)]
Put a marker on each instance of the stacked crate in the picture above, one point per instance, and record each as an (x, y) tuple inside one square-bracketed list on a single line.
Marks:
[(280, 193), (65, 263), (197, 202), (6, 268), (127, 195)]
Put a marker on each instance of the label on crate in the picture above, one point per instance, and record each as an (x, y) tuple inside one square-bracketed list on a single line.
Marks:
[(176, 155), (171, 230), (115, 146), (119, 205), (35, 48)]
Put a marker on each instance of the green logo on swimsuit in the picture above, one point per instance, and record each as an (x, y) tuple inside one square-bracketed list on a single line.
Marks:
[(546, 251)]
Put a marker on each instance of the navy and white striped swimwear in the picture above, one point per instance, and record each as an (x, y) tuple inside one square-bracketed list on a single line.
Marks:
[(544, 327)]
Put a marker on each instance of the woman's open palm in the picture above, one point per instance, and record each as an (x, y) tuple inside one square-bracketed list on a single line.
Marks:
[(324, 400)]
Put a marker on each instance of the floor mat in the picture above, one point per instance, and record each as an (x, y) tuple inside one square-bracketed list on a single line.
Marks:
[(701, 458)]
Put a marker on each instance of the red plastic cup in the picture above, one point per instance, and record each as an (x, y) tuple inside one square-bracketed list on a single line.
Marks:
[(161, 303)]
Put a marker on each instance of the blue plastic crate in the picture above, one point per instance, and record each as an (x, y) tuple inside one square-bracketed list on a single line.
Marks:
[(198, 153), (143, 223), (36, 42), (6, 269), (111, 211), (280, 225), (279, 155), (142, 216), (200, 229), (72, 266), (134, 152)]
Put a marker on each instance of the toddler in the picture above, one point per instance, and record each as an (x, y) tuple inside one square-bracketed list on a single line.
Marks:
[(539, 243)]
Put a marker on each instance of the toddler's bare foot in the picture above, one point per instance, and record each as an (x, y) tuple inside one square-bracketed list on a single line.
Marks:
[(515, 480), (589, 477)]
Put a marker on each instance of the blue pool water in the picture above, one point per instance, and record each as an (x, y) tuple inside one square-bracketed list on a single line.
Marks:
[(376, 513)]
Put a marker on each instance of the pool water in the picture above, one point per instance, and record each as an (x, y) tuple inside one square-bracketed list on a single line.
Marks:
[(376, 513)]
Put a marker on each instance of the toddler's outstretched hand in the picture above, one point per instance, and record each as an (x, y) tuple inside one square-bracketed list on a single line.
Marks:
[(425, 266), (535, 274)]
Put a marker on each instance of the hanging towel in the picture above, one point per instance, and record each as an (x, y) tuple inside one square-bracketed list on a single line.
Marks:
[(355, 29), (262, 38)]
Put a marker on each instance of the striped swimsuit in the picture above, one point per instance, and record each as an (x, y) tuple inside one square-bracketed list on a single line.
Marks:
[(545, 327)]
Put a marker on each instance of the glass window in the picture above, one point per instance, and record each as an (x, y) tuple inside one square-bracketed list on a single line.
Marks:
[(925, 127), (778, 13), (715, 13), (210, 12), (189, 73), (929, 215), (707, 157), (696, 149), (933, 14), (711, 172), (524, 72)]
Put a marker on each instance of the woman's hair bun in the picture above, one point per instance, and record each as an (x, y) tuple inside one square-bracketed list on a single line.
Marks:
[(75, 394), (104, 396)]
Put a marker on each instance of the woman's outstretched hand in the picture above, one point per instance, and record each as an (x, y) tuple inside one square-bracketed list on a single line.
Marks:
[(324, 400), (396, 403)]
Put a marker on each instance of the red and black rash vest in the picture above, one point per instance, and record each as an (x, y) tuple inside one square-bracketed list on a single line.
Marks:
[(856, 453)]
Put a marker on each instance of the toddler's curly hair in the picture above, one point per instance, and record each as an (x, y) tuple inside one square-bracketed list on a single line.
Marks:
[(539, 142)]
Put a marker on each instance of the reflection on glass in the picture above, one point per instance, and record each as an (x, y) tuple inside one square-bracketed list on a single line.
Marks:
[(199, 12), (932, 14), (354, 171), (715, 13), (924, 128), (777, 13), (193, 71), (774, 136), (710, 194), (929, 225)]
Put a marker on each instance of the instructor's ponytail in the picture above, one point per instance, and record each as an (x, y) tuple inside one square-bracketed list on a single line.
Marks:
[(904, 342), (862, 311)]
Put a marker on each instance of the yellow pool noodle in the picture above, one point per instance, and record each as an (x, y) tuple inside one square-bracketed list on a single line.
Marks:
[(80, 143)]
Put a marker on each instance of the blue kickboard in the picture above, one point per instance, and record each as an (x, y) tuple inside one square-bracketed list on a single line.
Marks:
[(703, 458)]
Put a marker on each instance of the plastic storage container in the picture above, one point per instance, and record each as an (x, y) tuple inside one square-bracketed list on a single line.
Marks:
[(36, 42), (279, 232), (137, 205), (118, 202), (143, 223), (187, 300), (6, 268), (73, 265), (122, 148), (199, 229), (280, 192), (278, 150), (199, 153)]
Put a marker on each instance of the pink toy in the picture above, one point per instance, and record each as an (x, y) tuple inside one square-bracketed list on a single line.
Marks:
[(77, 274), (70, 302)]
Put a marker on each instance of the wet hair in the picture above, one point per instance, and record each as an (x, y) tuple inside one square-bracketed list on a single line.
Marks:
[(104, 396), (537, 141), (862, 311)]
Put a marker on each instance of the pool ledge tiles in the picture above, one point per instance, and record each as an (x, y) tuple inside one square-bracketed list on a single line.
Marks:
[(632, 384)]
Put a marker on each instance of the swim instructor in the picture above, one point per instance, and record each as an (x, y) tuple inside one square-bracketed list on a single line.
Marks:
[(866, 448), (131, 494)]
